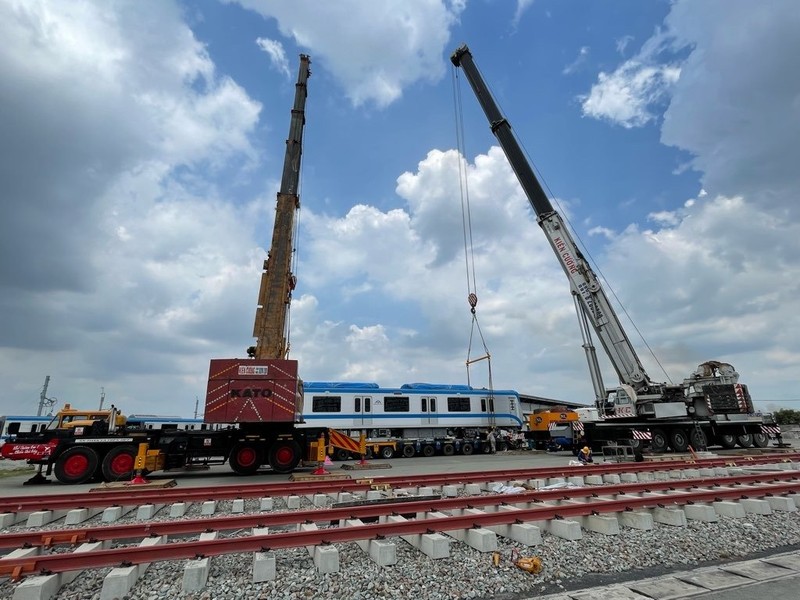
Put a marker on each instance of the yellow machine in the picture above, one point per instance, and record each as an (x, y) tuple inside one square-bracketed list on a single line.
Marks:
[(71, 418)]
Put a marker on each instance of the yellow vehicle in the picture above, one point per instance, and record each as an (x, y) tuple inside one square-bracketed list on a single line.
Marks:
[(551, 426), (70, 418)]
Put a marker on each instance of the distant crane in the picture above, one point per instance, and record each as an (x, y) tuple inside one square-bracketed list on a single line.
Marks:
[(44, 401)]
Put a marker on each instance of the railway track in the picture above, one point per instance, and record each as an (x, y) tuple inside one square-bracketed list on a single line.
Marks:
[(473, 515)]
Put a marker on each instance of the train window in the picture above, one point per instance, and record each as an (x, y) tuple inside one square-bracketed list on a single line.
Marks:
[(357, 404), (433, 404), (483, 404), (424, 405), (457, 404), (367, 404), (395, 404), (13, 428), (329, 404)]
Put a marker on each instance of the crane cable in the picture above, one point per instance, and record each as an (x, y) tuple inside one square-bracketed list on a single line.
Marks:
[(466, 222)]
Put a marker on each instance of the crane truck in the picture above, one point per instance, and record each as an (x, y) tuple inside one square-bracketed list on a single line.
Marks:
[(709, 406), (252, 404)]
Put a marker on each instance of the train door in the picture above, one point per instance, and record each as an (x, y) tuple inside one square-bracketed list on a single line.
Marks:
[(428, 408), (363, 410), (487, 408)]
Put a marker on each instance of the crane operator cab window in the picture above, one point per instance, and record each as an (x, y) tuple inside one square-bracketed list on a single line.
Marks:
[(619, 404)]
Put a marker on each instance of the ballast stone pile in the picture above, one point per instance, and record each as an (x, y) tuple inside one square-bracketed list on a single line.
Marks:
[(466, 573)]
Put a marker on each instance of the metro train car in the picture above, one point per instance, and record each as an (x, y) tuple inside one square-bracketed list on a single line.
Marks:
[(11, 425), (413, 410), (167, 422)]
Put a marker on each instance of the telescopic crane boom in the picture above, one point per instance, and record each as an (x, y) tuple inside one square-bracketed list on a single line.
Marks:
[(712, 389), (277, 280)]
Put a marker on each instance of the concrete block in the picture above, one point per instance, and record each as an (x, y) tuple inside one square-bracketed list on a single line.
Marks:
[(701, 512), (729, 509), (676, 474), (237, 506), (39, 587), (756, 506), (264, 567), (320, 500), (781, 503), (43, 517), (605, 524), (293, 502), (611, 478), (593, 480), (79, 515), (706, 472), (119, 582), (265, 504), (660, 475), (425, 491), (9, 519), (645, 476), (628, 477), (524, 533), (432, 545), (22, 553), (178, 509), (344, 497), (208, 508), (576, 480), (537, 484), (691, 473), (556, 480), (721, 472), (565, 529), (794, 498), (147, 511), (326, 558), (636, 520), (482, 540), (450, 491), (114, 513), (382, 552), (669, 516), (195, 573), (473, 489), (374, 495)]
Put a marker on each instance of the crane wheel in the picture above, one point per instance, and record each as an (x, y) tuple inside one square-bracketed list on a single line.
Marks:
[(760, 440), (76, 465), (118, 464), (387, 452), (727, 441), (408, 451), (658, 441), (745, 440), (284, 456), (245, 458), (448, 450), (466, 448), (428, 451), (679, 440)]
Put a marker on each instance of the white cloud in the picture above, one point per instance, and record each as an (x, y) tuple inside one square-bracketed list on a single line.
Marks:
[(373, 49), (583, 53), (522, 6), (276, 53)]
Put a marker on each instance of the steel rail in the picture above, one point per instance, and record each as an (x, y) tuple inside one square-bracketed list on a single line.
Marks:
[(130, 496), (275, 519), (59, 563)]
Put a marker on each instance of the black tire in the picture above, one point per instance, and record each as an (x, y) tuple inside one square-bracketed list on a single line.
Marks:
[(658, 441), (760, 440), (698, 439), (428, 451), (119, 463), (487, 449), (727, 440), (466, 448), (341, 454), (284, 456), (745, 440), (409, 451), (448, 450), (76, 465), (679, 440), (636, 445), (246, 458), (387, 452)]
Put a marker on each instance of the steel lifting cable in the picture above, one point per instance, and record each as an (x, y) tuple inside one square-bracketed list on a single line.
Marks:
[(466, 222)]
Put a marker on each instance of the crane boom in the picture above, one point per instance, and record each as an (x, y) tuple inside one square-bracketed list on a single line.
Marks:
[(277, 280), (585, 286)]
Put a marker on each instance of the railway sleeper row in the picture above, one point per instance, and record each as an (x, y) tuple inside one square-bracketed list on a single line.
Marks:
[(431, 532)]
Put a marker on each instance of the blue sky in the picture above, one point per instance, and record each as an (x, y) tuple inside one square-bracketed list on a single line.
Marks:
[(143, 142)]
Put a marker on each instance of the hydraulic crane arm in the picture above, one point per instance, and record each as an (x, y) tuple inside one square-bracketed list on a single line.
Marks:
[(277, 280), (585, 286)]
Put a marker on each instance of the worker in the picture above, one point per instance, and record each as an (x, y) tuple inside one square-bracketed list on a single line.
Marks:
[(492, 441), (585, 455)]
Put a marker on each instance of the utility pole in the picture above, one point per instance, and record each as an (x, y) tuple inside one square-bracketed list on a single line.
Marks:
[(102, 397), (196, 402)]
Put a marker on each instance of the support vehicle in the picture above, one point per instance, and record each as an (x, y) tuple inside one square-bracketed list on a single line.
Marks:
[(710, 406)]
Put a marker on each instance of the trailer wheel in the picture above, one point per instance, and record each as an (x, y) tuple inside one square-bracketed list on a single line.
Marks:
[(387, 452), (428, 451), (245, 458), (448, 450), (679, 440), (341, 454), (118, 463), (284, 456), (727, 440), (745, 440), (466, 449), (408, 451), (698, 439), (658, 441), (760, 440), (76, 465)]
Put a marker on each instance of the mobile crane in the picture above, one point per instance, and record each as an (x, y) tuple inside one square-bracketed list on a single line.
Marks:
[(709, 406), (252, 404)]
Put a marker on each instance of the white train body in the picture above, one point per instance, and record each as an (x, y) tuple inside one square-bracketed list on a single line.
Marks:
[(414, 410)]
